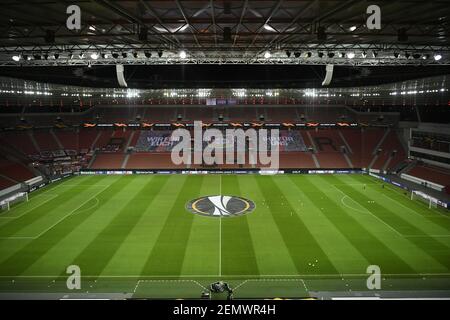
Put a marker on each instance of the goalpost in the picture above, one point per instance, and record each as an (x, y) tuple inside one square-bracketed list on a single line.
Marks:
[(421, 196), (5, 204)]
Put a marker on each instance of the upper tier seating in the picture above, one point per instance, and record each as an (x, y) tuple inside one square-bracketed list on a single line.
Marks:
[(45, 141), (20, 140), (68, 138)]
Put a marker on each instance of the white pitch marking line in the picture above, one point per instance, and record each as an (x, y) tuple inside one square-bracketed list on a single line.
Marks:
[(256, 276), (368, 211), (346, 205), (91, 207), (193, 281), (31, 209), (390, 187), (137, 285), (220, 231), (240, 285), (71, 212), (304, 285), (59, 221)]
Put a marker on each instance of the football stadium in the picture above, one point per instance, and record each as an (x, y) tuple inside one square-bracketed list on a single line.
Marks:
[(212, 150)]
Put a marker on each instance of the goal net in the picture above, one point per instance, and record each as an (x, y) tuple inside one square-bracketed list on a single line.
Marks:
[(421, 196), (6, 204)]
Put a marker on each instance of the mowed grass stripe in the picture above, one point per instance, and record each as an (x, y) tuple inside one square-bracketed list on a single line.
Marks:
[(430, 245), (17, 263), (415, 257), (55, 206), (20, 208), (91, 259), (55, 261), (202, 250), (167, 255), (301, 244), (414, 210), (375, 251), (132, 255), (271, 254), (237, 244), (344, 256)]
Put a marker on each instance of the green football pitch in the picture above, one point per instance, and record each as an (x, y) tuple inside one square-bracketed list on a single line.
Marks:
[(308, 233)]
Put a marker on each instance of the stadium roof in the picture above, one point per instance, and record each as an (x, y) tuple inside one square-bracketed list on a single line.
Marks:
[(426, 91), (228, 31)]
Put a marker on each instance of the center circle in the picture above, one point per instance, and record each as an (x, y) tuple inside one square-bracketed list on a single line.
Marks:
[(220, 206)]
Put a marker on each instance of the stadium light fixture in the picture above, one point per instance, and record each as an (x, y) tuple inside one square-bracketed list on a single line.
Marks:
[(182, 54), (160, 53), (396, 55), (364, 54), (425, 56), (269, 28), (352, 28), (330, 54), (16, 58), (320, 54), (94, 56), (308, 55), (267, 55), (350, 55), (437, 57), (288, 53), (56, 56), (115, 55), (183, 27), (375, 54), (124, 55), (297, 54), (147, 54)]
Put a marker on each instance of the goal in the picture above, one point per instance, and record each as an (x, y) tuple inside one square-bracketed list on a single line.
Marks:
[(421, 196), (5, 204)]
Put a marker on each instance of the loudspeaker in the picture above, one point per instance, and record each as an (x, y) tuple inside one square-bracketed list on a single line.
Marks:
[(49, 36), (401, 35), (143, 32), (226, 7), (329, 75), (227, 34), (120, 76)]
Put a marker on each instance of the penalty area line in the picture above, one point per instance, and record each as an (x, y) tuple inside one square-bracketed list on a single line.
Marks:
[(60, 220)]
